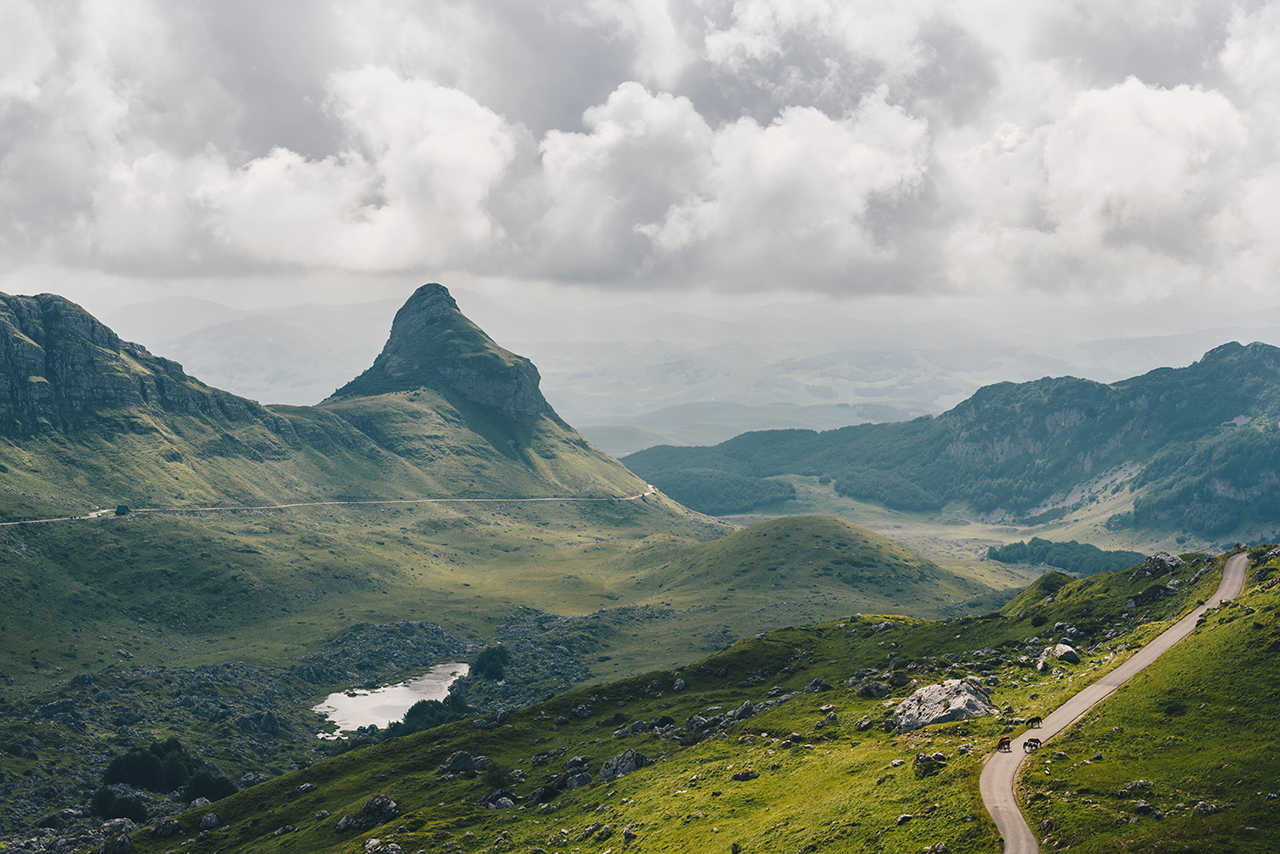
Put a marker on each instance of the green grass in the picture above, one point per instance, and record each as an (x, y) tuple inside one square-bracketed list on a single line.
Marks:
[(1198, 724), (835, 789), (267, 586)]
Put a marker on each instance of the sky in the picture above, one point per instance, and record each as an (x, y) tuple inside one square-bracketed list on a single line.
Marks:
[(819, 171)]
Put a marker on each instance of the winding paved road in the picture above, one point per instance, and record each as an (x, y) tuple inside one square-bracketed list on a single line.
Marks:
[(229, 508), (1001, 770)]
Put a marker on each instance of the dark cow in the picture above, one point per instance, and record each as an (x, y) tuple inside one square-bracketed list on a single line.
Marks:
[(1031, 745), (1004, 745), (1034, 722)]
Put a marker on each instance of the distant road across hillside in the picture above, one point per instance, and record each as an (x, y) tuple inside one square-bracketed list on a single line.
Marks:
[(1001, 770), (231, 508)]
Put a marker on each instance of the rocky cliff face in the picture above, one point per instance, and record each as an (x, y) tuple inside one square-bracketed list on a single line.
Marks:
[(60, 369), (433, 345)]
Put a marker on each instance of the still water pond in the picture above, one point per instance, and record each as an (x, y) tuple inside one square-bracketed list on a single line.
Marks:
[(381, 706)]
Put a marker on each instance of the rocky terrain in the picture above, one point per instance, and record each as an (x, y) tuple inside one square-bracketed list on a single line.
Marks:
[(251, 722)]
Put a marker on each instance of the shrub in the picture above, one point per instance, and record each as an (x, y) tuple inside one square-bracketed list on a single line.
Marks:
[(206, 784), (106, 805), (491, 663), (163, 767)]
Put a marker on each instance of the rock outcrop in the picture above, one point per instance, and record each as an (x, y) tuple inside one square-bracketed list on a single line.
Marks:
[(952, 700), (434, 346), (379, 809), (624, 763), (61, 369), (1058, 652)]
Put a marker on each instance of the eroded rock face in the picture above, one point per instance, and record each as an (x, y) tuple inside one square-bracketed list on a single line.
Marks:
[(952, 700), (433, 345), (60, 369)]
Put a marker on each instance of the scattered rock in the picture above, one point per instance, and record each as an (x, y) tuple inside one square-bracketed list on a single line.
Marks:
[(952, 700), (744, 775), (209, 821), (118, 845), (904, 818), (624, 763), (873, 690), (499, 799), (1061, 652), (379, 809), (460, 760)]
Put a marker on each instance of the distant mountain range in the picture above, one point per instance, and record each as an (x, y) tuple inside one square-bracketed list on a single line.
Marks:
[(1197, 447)]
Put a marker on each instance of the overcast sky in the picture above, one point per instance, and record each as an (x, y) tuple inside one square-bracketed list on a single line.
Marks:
[(1103, 167)]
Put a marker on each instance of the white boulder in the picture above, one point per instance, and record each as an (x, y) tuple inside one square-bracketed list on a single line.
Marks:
[(952, 700)]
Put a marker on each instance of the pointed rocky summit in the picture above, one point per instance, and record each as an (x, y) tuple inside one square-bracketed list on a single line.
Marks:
[(434, 346)]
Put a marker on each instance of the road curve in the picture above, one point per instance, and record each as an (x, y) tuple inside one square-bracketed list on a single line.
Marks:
[(1001, 770), (231, 508)]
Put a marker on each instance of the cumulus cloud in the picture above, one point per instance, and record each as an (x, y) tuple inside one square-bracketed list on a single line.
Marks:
[(756, 144), (410, 190), (1137, 164)]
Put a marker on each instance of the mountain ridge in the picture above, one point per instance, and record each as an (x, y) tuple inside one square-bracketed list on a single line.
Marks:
[(88, 419), (1195, 445)]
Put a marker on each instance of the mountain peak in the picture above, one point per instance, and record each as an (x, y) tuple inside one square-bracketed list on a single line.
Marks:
[(433, 345)]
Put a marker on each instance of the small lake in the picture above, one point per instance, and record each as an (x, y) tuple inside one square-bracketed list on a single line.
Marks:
[(381, 706)]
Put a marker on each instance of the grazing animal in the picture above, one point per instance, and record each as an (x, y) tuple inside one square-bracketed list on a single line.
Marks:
[(1030, 745), (1034, 722), (1004, 744)]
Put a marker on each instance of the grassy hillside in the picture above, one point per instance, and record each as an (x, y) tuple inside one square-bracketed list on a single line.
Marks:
[(817, 779), (580, 592), (1184, 758), (787, 556), (1197, 445), (88, 420), (265, 586)]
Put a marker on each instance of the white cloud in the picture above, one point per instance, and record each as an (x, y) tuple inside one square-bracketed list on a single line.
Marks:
[(27, 50), (793, 199), (640, 154), (410, 191), (786, 144), (1134, 163)]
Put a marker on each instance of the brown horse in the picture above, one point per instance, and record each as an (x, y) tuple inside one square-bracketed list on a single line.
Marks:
[(1031, 745), (1034, 722), (1004, 745)]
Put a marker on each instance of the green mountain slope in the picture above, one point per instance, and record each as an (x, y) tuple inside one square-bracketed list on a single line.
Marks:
[(88, 420), (778, 743), (1184, 758), (786, 557), (1198, 445)]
